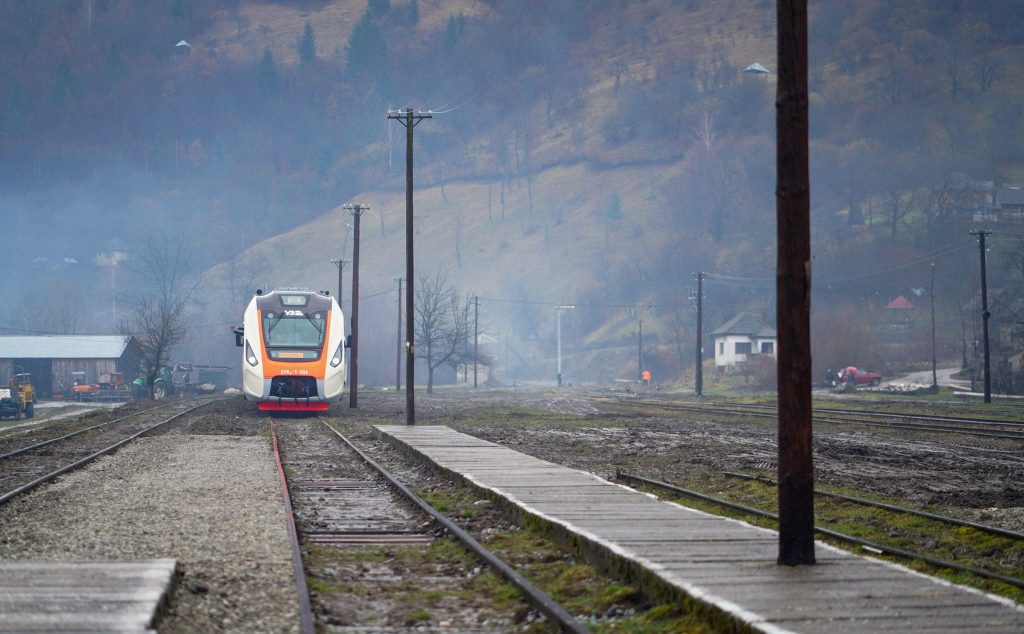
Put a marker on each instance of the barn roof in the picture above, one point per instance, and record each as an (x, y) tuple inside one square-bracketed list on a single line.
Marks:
[(900, 303), (744, 323), (1010, 196), (63, 347)]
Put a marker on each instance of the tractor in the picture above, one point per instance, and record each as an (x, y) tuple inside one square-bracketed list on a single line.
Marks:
[(17, 398), (163, 385)]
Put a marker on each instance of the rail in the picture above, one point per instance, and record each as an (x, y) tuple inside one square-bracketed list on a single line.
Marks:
[(869, 546), (1005, 430), (102, 452), (985, 528), (535, 596), (305, 607)]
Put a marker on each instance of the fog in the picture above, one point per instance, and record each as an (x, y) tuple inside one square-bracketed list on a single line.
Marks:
[(594, 153)]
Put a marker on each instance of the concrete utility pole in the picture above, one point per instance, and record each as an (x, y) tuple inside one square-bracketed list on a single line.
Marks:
[(353, 392), (640, 352), (476, 334), (341, 268), (558, 336), (698, 380), (398, 354), (793, 289), (409, 119), (984, 314), (935, 372)]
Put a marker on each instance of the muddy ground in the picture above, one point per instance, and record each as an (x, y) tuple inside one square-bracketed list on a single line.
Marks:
[(969, 478)]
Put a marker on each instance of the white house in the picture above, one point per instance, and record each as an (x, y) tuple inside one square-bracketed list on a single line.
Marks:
[(741, 337)]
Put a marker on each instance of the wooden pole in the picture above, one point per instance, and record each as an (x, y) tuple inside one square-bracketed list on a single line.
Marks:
[(698, 385), (353, 392), (398, 339), (409, 120), (476, 336), (985, 314), (410, 317), (935, 372), (793, 289), (640, 352)]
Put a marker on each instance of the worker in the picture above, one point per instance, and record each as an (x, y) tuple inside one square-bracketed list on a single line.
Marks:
[(646, 377)]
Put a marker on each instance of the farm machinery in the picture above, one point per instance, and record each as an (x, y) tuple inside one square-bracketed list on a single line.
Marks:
[(17, 398)]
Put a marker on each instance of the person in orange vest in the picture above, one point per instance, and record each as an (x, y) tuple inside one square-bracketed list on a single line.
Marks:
[(646, 376)]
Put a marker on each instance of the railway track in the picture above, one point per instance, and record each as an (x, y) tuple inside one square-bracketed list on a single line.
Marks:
[(979, 427), (872, 547), (952, 521), (26, 467), (344, 499)]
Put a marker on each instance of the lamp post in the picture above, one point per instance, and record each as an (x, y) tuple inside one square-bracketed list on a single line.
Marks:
[(558, 336)]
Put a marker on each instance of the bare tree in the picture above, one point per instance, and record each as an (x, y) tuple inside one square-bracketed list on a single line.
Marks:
[(442, 322), (242, 276), (67, 308), (58, 309), (164, 286), (717, 175)]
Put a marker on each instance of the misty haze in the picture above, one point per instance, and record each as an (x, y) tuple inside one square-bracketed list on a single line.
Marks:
[(209, 204)]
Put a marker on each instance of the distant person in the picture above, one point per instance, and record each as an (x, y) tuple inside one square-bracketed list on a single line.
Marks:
[(830, 377), (645, 376)]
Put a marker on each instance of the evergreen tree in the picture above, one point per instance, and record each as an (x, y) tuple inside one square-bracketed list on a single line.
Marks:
[(63, 84), (366, 50), (307, 44), (115, 66), (453, 30), (15, 110), (267, 73), (377, 8)]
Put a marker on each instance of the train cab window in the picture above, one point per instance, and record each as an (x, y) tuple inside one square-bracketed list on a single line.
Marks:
[(294, 329), (294, 300)]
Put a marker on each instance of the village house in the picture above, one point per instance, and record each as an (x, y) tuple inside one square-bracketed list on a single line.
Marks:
[(1009, 203), (740, 338)]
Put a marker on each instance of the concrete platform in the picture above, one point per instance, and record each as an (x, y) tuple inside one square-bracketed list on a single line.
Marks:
[(81, 596), (720, 565)]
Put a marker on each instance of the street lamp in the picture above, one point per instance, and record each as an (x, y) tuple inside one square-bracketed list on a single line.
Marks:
[(558, 331)]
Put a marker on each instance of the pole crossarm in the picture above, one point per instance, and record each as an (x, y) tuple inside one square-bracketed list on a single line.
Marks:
[(406, 116), (356, 209)]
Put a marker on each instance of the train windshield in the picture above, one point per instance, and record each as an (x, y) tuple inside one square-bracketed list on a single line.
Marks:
[(294, 329)]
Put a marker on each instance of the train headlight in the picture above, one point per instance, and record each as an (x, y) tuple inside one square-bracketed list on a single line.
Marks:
[(250, 356), (338, 356)]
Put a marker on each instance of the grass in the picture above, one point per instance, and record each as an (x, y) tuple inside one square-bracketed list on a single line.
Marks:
[(605, 605), (964, 545)]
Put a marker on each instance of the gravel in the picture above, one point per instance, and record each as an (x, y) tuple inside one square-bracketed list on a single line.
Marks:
[(210, 501)]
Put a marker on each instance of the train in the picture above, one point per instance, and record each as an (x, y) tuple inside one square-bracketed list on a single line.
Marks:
[(293, 350)]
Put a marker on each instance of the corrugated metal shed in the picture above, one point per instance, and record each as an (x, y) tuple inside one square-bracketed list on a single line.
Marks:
[(63, 347)]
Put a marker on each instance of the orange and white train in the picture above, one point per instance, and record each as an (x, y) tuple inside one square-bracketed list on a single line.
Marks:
[(293, 355)]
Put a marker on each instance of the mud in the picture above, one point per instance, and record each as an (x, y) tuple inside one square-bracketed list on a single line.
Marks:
[(579, 429)]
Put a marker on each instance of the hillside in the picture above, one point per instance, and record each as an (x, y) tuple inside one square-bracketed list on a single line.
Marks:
[(596, 153)]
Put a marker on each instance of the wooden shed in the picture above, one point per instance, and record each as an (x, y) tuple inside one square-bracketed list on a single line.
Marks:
[(53, 359)]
